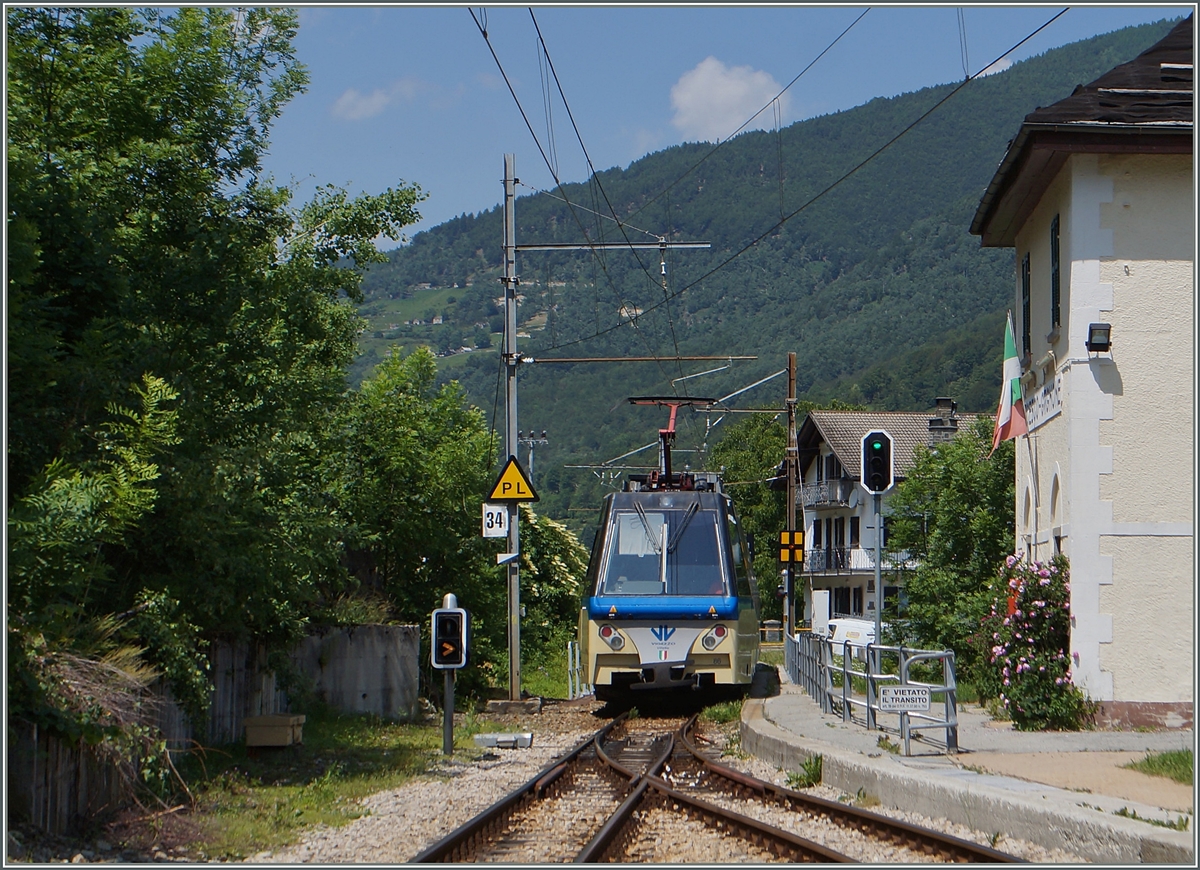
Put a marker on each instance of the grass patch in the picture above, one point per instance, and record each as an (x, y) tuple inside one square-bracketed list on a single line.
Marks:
[(771, 655), (249, 802), (965, 693), (1179, 824), (1178, 765), (865, 801), (723, 713), (884, 742), (808, 775)]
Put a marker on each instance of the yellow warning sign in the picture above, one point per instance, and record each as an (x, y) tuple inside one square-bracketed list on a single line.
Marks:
[(513, 484)]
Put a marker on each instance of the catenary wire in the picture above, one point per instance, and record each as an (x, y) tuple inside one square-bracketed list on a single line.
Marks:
[(598, 214), (829, 188), (600, 186), (720, 144), (546, 160)]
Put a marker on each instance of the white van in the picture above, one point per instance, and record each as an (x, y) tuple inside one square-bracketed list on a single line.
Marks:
[(855, 632)]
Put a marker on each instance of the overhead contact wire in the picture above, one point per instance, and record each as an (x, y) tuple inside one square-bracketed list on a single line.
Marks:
[(720, 144), (546, 160), (599, 185), (833, 185)]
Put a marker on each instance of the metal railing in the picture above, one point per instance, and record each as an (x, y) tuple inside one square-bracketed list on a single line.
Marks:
[(854, 560), (827, 492), (577, 686), (829, 676)]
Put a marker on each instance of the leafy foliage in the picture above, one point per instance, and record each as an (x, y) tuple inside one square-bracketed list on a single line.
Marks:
[(954, 513), (150, 251), (1028, 626), (750, 453)]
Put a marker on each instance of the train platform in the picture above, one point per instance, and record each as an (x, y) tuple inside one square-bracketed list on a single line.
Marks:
[(1064, 790)]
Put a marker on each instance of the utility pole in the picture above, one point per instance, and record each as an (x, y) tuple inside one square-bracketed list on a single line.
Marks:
[(793, 469), (511, 360)]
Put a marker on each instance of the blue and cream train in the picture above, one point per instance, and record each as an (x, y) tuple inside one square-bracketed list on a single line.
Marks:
[(671, 601)]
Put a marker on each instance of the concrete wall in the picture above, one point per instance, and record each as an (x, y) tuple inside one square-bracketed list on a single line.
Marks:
[(364, 669), (1120, 455)]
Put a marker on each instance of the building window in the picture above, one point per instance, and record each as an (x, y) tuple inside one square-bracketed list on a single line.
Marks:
[(816, 535), (1026, 343), (857, 607), (833, 469), (1055, 283), (854, 531), (841, 601), (839, 541)]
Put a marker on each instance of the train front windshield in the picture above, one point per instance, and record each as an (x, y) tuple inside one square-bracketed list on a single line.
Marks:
[(664, 552)]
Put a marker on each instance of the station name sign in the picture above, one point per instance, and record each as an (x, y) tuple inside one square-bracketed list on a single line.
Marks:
[(1045, 404)]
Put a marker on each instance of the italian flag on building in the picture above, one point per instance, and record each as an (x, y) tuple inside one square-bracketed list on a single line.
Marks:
[(1010, 416)]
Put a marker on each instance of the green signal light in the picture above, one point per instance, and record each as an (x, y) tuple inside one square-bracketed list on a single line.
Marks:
[(876, 445)]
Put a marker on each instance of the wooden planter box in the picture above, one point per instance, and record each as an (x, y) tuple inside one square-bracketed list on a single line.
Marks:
[(280, 729)]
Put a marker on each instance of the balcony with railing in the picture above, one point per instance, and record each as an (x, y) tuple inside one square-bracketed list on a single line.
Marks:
[(855, 560), (828, 493)]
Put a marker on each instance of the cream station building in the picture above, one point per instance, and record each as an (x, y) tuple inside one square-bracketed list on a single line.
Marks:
[(1097, 195)]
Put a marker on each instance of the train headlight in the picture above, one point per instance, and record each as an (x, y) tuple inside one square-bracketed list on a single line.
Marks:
[(612, 637), (713, 638)]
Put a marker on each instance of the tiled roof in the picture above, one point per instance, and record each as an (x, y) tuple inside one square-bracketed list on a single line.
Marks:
[(1144, 105), (843, 432), (1153, 88)]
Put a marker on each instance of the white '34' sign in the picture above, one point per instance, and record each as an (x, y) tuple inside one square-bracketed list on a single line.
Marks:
[(495, 520)]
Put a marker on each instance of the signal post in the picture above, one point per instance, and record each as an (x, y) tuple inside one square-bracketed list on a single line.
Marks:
[(877, 475), (448, 653)]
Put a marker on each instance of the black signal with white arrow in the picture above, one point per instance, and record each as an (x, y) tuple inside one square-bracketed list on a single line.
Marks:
[(448, 634)]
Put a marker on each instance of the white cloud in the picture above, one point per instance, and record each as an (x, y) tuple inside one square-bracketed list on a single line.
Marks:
[(713, 100), (999, 66), (355, 106)]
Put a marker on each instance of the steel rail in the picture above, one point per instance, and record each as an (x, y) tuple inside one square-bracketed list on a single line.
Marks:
[(781, 842), (612, 830), (444, 849), (883, 827)]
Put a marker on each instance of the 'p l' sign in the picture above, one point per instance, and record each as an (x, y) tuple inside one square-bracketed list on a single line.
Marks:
[(513, 484)]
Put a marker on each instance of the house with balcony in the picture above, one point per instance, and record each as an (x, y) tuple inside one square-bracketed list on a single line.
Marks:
[(839, 515), (1096, 196)]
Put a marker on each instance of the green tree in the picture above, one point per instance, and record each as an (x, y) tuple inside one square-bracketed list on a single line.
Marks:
[(553, 565), (414, 465), (954, 513), (147, 241), (749, 452)]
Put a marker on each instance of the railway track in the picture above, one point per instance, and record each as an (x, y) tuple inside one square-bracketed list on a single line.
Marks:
[(643, 791)]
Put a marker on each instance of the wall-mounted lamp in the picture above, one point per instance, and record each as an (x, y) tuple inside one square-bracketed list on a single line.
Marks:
[(1099, 338)]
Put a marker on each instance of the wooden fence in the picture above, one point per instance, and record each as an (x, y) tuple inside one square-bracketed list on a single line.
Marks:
[(60, 786)]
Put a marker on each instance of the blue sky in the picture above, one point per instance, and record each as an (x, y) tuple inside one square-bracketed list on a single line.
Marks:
[(412, 93)]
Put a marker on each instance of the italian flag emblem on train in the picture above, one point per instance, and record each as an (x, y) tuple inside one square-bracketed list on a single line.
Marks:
[(1010, 415)]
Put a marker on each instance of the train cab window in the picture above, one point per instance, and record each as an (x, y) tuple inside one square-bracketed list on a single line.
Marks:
[(673, 552), (634, 566), (741, 560)]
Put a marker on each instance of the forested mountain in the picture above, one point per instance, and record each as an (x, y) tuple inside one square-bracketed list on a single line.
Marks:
[(872, 279)]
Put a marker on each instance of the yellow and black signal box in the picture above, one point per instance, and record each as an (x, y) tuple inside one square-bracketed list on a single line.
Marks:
[(791, 548)]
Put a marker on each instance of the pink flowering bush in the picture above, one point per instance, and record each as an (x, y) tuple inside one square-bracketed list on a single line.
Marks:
[(1027, 635)]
